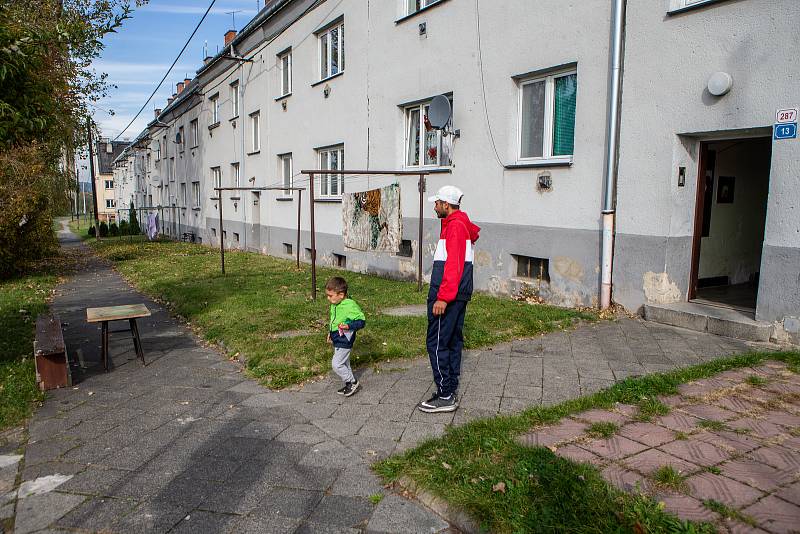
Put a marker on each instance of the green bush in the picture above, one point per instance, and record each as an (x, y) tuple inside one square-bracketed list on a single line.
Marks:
[(134, 227), (103, 229), (113, 229), (123, 227), (92, 231)]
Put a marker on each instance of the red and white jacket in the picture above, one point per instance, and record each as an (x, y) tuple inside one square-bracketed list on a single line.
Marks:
[(451, 278)]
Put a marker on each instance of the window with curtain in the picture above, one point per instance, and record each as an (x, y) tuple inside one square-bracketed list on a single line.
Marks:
[(547, 116), (331, 51), (425, 146), (285, 168), (331, 185)]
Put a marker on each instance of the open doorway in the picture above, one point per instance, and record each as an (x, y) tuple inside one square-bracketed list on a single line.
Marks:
[(733, 183)]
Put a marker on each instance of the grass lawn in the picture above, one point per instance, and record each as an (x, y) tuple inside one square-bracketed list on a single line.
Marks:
[(21, 300), (261, 296), (508, 487)]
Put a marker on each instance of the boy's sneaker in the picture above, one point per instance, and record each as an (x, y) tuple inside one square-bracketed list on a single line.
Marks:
[(350, 388), (437, 404), (342, 390)]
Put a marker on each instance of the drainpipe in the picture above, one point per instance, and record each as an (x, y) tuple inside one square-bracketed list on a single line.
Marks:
[(612, 134)]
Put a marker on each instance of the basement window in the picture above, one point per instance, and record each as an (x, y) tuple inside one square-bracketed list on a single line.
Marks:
[(405, 250), (340, 260), (533, 268), (236, 238), (308, 254), (287, 248)]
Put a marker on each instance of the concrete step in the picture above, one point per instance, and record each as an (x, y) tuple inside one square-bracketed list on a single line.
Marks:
[(713, 319)]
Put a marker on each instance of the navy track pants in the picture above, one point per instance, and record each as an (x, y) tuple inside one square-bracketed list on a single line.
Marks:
[(445, 341)]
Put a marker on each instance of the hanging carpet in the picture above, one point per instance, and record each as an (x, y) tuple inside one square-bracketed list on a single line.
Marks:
[(371, 220)]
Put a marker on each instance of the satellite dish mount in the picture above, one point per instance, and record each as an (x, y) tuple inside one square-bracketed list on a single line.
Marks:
[(439, 114)]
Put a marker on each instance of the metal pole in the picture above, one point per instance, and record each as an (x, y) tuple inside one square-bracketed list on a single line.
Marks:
[(221, 243), (299, 204), (313, 241), (94, 189), (421, 187)]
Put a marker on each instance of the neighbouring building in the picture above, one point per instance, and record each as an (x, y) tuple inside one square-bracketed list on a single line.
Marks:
[(106, 152), (527, 143)]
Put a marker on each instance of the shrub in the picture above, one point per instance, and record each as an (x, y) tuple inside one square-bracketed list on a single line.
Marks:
[(113, 229), (124, 228), (92, 232), (134, 227), (103, 229)]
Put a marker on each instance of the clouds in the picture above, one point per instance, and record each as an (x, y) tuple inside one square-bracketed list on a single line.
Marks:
[(247, 9)]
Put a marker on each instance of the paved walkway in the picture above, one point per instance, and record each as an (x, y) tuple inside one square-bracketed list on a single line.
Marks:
[(189, 443), (728, 451)]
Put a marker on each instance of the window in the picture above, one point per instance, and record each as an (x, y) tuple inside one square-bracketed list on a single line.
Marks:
[(331, 51), (285, 162), (675, 5), (171, 169), (254, 130), (235, 99), (214, 109), (412, 6), (181, 138), (111, 203), (287, 249), (547, 116), (424, 145), (216, 176), (193, 134), (196, 194), (340, 260), (533, 268), (331, 185), (235, 174), (109, 184), (183, 195), (406, 251), (158, 150), (285, 72)]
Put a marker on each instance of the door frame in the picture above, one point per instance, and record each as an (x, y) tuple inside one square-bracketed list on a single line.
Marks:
[(699, 212)]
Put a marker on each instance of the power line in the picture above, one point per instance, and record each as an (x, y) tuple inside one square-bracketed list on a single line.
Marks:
[(168, 70), (483, 85)]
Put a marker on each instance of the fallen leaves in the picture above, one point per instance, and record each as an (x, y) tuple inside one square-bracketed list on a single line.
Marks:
[(500, 487)]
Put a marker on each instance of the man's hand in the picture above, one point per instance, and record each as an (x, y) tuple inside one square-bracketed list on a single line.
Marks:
[(439, 307)]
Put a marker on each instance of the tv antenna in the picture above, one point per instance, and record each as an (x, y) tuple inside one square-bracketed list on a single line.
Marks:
[(233, 16)]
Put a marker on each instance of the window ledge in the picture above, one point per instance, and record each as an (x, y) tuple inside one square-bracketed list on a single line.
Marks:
[(235, 117), (284, 199), (195, 146), (282, 97), (699, 5), (235, 198), (212, 126), (214, 198), (197, 209), (328, 78), (254, 153), (415, 13), (328, 200), (540, 164), (431, 170)]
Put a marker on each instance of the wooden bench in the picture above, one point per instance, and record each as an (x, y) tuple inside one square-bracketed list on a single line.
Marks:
[(50, 354), (129, 312)]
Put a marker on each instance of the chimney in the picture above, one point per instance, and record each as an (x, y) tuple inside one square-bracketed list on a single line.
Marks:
[(207, 60), (179, 88), (186, 83), (157, 112), (229, 36), (170, 99)]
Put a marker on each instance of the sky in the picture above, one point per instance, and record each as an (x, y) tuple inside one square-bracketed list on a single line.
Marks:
[(137, 56)]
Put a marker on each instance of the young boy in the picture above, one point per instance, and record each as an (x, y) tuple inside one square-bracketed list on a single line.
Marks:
[(346, 318)]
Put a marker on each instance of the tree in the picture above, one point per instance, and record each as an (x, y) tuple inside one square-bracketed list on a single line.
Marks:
[(135, 229), (46, 88)]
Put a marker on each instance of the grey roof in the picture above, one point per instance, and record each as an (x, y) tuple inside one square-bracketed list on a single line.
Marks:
[(106, 159)]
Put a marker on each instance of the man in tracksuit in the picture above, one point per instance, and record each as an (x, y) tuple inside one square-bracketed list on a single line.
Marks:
[(451, 289)]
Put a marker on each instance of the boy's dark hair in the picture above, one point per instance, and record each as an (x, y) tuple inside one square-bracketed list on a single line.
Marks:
[(337, 284)]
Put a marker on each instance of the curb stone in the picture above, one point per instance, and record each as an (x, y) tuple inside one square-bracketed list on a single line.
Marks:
[(452, 514)]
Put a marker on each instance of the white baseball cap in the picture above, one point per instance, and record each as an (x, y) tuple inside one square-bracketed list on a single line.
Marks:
[(448, 193)]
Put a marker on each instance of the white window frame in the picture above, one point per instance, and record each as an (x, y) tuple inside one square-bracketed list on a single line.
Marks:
[(675, 5), (407, 111), (236, 176), (287, 179), (411, 5), (183, 194), (325, 180), (214, 109), (196, 194), (325, 36), (549, 110), (235, 99), (111, 203), (107, 182), (181, 134), (194, 133), (285, 73), (216, 176), (255, 131)]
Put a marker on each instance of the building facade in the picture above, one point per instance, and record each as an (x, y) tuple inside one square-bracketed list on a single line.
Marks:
[(312, 84)]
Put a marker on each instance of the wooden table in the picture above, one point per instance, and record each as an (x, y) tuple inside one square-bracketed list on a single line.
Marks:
[(131, 312)]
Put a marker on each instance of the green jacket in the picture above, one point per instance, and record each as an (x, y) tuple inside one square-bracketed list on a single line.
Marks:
[(348, 311)]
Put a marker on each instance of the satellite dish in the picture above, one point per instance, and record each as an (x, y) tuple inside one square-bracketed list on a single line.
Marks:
[(439, 112)]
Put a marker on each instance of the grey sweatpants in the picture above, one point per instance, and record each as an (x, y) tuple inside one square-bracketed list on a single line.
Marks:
[(341, 364)]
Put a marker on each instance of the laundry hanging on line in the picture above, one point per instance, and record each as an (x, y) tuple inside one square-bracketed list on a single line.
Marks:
[(372, 220)]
